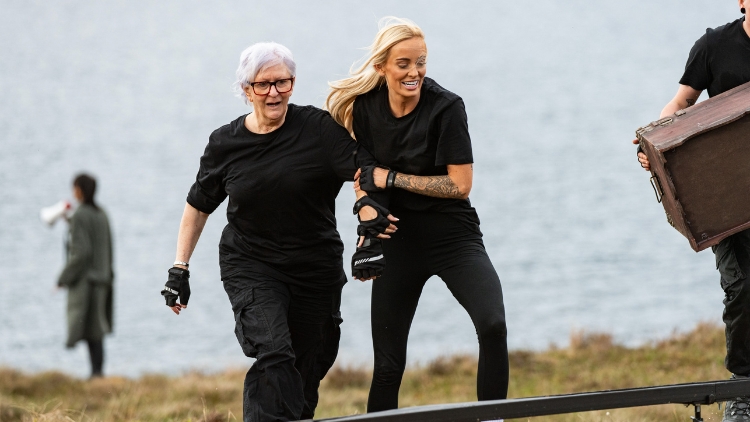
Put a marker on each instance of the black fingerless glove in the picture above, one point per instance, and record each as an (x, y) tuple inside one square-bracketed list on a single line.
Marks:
[(367, 179), (178, 284), (368, 261), (375, 226)]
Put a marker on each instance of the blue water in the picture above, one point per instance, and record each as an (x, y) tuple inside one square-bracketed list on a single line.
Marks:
[(130, 90)]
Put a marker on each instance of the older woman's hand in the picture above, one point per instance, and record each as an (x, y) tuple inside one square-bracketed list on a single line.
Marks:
[(357, 189), (177, 308)]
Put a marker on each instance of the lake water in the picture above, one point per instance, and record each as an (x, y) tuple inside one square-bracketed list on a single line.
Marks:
[(130, 91)]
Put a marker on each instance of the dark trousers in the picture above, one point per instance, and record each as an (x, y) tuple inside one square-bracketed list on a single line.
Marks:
[(428, 244), (733, 263), (96, 355), (293, 333)]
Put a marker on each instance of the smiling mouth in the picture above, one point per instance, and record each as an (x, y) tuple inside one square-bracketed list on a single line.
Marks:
[(411, 84), (273, 104)]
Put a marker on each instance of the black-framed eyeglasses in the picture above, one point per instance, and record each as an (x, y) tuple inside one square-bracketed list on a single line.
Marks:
[(263, 88)]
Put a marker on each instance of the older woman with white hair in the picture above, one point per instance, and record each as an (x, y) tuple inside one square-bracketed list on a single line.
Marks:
[(281, 166)]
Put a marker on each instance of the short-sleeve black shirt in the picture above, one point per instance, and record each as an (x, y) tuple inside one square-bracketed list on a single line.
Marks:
[(282, 188), (422, 143), (719, 60)]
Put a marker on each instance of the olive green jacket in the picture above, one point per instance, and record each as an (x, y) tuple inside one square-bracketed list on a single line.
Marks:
[(88, 276)]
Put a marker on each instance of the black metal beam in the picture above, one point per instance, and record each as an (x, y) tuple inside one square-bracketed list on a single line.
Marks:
[(692, 393)]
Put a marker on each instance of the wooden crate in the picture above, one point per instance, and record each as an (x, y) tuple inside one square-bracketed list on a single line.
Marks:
[(700, 166)]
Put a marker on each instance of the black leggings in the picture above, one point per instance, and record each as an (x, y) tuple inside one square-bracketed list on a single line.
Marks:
[(449, 246)]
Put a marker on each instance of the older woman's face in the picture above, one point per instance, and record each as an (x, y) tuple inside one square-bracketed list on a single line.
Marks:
[(272, 106), (405, 67)]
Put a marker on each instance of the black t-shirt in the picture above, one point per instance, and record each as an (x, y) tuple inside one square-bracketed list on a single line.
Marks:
[(282, 188), (719, 60), (422, 143)]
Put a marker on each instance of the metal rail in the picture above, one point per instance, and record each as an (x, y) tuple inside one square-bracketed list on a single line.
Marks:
[(694, 394)]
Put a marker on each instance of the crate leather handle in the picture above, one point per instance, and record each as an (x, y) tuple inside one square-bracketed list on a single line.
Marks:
[(657, 188)]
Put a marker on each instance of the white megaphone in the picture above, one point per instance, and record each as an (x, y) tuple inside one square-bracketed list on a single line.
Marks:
[(51, 214)]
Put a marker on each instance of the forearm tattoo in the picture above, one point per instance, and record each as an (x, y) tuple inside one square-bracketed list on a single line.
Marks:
[(435, 186)]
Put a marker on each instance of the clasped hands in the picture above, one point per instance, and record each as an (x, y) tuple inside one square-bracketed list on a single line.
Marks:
[(375, 223)]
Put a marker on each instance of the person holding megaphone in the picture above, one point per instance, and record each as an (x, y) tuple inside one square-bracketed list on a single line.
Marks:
[(88, 274)]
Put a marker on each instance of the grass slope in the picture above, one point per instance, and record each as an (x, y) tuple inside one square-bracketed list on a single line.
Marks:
[(591, 362)]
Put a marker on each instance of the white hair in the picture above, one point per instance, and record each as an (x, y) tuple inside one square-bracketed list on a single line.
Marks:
[(258, 56)]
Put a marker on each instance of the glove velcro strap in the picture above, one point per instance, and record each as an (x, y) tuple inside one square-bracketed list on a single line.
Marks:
[(180, 272), (366, 200), (367, 242)]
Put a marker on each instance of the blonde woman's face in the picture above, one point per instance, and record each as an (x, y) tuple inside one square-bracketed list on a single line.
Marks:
[(405, 67)]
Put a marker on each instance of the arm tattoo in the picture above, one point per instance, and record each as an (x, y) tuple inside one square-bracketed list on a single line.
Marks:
[(691, 101), (435, 186)]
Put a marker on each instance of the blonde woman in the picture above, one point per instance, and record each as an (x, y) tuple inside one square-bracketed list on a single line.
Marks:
[(419, 131)]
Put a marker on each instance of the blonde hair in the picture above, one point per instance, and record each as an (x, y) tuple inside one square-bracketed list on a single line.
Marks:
[(340, 101)]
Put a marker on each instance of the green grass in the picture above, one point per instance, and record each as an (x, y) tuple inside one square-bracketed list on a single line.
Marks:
[(591, 362)]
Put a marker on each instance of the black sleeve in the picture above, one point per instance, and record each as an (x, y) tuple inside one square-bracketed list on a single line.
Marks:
[(364, 158), (347, 155), (697, 73), (208, 190), (360, 125), (341, 149), (454, 143)]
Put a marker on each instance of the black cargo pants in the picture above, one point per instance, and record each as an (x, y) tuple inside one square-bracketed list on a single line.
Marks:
[(733, 263), (293, 333)]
